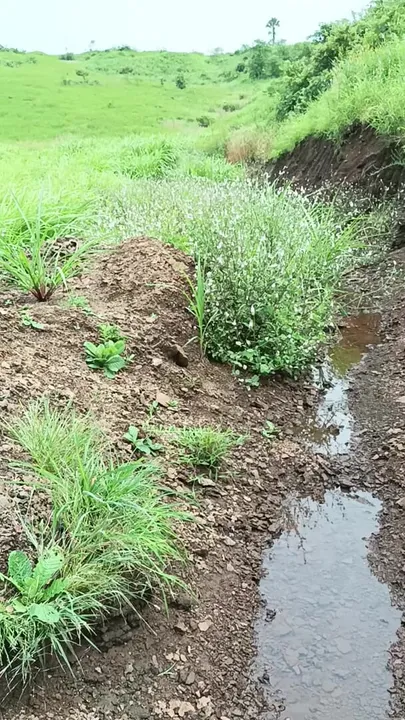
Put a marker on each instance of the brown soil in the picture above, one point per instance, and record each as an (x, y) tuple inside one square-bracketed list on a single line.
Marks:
[(193, 661), (361, 158)]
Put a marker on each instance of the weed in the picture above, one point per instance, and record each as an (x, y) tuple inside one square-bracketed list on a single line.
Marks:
[(26, 320), (107, 356), (204, 446), (39, 267), (110, 332), (153, 408), (270, 430), (173, 404), (141, 445), (78, 301), (37, 612), (110, 537)]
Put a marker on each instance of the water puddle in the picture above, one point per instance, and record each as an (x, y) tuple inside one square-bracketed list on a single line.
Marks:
[(329, 430), (328, 624)]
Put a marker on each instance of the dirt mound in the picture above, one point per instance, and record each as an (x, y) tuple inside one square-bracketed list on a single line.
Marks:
[(361, 158), (193, 661)]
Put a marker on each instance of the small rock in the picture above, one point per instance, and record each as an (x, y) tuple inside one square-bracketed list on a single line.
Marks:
[(401, 502), (157, 362), (185, 708), (205, 625), (163, 399), (180, 627), (190, 679), (228, 541), (129, 669)]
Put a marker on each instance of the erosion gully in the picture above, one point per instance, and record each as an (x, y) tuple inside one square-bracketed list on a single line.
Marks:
[(327, 622)]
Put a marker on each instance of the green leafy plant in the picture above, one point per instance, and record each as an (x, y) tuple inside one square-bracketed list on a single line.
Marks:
[(107, 356), (37, 613), (270, 430), (40, 266), (28, 321), (142, 445), (81, 302), (205, 446), (110, 332)]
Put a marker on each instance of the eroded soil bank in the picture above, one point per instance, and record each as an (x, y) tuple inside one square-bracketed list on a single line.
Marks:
[(196, 661)]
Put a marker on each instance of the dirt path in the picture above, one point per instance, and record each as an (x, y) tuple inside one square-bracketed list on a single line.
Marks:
[(194, 661)]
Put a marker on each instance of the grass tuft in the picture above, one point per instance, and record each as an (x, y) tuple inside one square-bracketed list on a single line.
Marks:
[(110, 534)]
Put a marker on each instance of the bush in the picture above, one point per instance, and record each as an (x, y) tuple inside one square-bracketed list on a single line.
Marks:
[(272, 262), (229, 107), (204, 121), (126, 70), (180, 82), (240, 68), (67, 56)]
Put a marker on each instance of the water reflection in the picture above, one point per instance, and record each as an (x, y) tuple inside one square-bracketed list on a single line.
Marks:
[(326, 648), (330, 428)]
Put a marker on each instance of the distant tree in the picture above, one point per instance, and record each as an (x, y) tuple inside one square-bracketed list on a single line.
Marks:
[(271, 26), (241, 67)]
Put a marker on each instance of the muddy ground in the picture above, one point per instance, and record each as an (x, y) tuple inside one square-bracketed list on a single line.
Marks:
[(194, 661)]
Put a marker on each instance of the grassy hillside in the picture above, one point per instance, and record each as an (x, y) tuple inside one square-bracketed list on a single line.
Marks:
[(117, 93)]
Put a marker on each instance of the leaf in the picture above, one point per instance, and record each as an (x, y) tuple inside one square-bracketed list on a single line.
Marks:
[(19, 567), (91, 348), (44, 612), (115, 363), (47, 566), (56, 588), (132, 434)]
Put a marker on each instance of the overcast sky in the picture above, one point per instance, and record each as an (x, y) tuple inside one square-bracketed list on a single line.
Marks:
[(55, 25)]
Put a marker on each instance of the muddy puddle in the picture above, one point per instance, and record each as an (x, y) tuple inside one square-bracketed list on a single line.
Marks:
[(328, 623), (329, 430)]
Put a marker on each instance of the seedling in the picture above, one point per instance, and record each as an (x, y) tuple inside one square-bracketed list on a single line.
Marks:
[(141, 445), (270, 430), (107, 356), (173, 405), (81, 302), (110, 332), (28, 321), (153, 408)]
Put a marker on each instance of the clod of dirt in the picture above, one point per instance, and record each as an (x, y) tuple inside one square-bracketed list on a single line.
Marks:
[(176, 353)]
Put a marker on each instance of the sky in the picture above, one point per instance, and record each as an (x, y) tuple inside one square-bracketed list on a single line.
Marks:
[(54, 26)]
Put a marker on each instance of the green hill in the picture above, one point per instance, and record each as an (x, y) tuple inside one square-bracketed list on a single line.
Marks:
[(118, 93)]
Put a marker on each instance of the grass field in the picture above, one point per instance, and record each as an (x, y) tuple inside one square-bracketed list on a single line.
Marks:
[(46, 98)]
